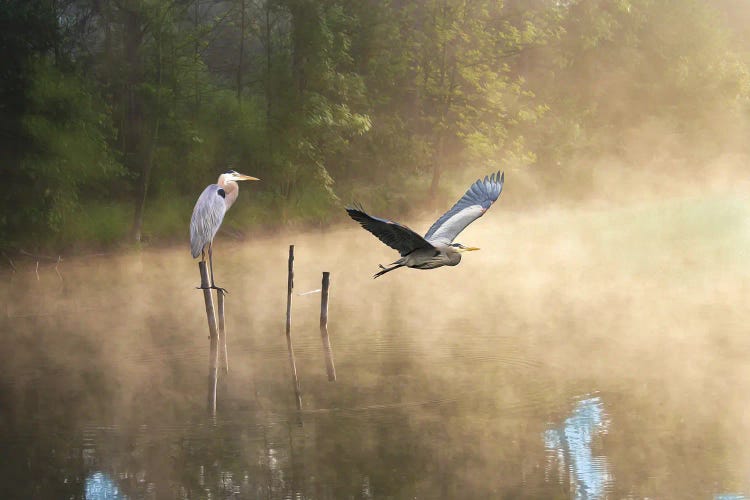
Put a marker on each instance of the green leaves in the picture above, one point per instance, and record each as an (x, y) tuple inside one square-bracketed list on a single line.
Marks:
[(143, 103), (69, 130)]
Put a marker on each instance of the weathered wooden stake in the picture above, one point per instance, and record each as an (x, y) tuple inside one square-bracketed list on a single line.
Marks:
[(222, 331), (213, 358), (290, 347), (324, 327)]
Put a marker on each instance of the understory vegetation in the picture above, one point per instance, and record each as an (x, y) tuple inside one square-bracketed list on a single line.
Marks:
[(114, 115)]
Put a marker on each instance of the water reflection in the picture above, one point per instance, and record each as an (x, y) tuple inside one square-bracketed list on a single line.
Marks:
[(437, 397), (570, 446), (100, 487)]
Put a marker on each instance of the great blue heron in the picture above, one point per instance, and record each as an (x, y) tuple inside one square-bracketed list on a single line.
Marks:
[(209, 211), (436, 249)]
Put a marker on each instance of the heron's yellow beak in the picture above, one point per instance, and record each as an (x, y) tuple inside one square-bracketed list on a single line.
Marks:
[(243, 177), (469, 249)]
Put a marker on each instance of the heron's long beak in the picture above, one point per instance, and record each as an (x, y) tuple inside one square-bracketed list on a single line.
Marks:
[(469, 249), (243, 177)]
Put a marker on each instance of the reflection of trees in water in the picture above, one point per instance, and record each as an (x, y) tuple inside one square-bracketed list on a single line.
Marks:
[(571, 445), (254, 455)]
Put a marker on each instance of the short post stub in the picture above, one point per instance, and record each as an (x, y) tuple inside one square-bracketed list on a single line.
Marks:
[(289, 345), (330, 368)]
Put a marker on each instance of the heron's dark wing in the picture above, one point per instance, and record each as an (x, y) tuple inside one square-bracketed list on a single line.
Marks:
[(472, 205), (207, 216), (391, 233)]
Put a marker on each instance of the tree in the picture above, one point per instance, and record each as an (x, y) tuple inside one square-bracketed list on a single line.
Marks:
[(442, 84), (27, 31), (622, 65)]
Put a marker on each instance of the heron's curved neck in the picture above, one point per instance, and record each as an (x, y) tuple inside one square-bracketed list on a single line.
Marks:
[(231, 190)]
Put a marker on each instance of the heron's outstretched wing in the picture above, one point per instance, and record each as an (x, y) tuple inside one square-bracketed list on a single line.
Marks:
[(207, 216), (472, 205), (391, 233)]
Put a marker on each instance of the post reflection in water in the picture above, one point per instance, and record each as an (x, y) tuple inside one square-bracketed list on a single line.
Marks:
[(571, 446)]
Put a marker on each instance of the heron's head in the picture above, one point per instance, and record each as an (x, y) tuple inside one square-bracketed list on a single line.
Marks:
[(458, 247), (233, 175)]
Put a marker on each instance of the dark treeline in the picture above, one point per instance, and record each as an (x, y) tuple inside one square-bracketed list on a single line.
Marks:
[(115, 114)]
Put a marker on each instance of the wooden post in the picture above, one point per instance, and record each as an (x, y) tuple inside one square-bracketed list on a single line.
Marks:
[(222, 331), (290, 347), (324, 327), (213, 358)]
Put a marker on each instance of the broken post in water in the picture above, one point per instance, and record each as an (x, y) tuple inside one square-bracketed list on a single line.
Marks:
[(324, 327), (222, 331), (213, 357), (290, 347)]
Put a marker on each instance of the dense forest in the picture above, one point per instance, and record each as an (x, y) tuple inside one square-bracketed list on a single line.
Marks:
[(117, 113)]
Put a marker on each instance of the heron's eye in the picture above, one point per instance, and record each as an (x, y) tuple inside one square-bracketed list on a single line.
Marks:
[(221, 193)]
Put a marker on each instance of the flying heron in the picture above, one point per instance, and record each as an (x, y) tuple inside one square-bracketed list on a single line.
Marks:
[(436, 248), (209, 211)]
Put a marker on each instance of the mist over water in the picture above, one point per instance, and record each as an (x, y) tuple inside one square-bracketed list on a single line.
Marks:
[(586, 352)]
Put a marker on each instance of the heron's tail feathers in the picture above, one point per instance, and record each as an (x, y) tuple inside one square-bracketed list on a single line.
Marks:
[(386, 269), (196, 248)]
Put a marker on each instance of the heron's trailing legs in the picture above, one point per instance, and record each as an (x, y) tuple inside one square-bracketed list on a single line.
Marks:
[(386, 269)]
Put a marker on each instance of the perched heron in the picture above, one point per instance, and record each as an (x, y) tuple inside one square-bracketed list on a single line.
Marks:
[(209, 211), (437, 248)]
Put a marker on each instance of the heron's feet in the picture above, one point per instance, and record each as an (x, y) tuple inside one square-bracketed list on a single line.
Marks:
[(381, 266)]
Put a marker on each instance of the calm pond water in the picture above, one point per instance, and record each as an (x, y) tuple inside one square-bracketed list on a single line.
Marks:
[(581, 354)]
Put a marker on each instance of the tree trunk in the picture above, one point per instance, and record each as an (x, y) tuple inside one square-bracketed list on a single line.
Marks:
[(301, 13), (242, 52), (133, 112), (440, 150), (196, 55), (148, 163), (269, 88), (437, 171)]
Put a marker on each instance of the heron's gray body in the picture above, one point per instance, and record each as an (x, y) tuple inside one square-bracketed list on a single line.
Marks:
[(430, 258), (436, 248), (207, 217)]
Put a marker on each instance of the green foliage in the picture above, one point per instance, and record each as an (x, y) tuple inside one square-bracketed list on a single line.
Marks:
[(128, 109), (94, 223), (71, 158), (323, 119), (630, 67), (169, 215)]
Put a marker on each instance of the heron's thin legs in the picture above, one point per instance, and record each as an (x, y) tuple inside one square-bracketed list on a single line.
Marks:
[(211, 267), (211, 270), (211, 262), (386, 269)]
